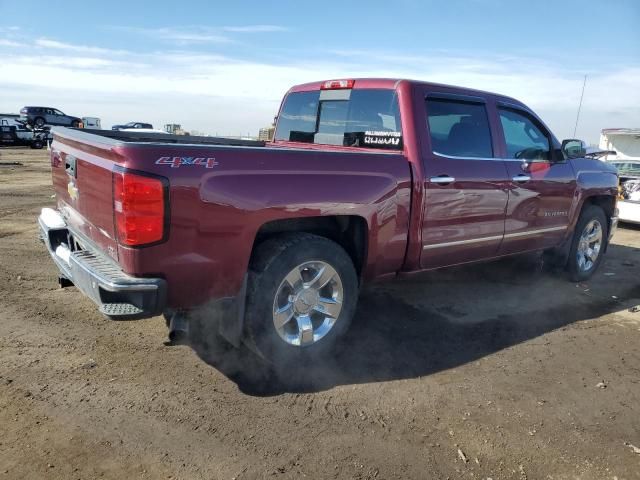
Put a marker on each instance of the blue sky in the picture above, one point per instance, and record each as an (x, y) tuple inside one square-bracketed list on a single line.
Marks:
[(223, 67)]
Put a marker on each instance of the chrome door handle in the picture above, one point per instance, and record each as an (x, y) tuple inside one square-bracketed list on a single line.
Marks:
[(521, 178), (442, 180)]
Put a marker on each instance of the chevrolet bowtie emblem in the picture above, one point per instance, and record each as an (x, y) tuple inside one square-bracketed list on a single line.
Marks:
[(73, 190)]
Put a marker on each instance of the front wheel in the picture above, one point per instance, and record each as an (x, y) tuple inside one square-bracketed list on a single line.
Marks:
[(587, 246), (39, 122), (301, 296)]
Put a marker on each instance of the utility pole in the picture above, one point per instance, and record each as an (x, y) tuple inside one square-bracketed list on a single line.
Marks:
[(575, 129)]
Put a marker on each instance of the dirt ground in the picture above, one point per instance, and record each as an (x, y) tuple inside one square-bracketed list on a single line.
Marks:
[(500, 371)]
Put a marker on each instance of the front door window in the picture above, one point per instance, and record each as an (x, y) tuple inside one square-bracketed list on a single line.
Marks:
[(524, 139)]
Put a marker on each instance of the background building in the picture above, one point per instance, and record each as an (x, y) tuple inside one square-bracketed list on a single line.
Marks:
[(175, 129), (266, 133)]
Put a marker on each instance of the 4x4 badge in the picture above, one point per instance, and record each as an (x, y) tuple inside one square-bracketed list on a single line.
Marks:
[(176, 162)]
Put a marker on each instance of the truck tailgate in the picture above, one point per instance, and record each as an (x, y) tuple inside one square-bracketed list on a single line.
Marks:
[(83, 184)]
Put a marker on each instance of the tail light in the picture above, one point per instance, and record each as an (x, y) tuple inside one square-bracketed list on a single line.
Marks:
[(337, 84), (140, 208)]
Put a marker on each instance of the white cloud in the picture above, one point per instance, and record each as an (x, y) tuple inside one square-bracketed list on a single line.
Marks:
[(54, 44), (217, 93), (181, 36), (199, 34), (255, 29), (10, 43)]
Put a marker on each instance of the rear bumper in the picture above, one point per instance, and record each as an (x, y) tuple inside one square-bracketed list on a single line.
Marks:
[(117, 294)]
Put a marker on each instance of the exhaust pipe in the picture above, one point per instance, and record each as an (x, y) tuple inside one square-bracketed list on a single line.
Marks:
[(178, 328), (64, 282)]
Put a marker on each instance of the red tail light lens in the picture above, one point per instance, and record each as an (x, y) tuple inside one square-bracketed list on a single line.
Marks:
[(139, 208)]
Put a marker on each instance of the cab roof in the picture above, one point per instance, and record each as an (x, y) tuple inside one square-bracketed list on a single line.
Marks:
[(392, 83)]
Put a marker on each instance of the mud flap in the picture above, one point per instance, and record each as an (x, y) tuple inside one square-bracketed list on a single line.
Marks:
[(229, 314), (557, 257)]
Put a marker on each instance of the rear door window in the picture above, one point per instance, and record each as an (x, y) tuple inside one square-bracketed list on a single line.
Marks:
[(354, 118), (524, 139), (459, 128)]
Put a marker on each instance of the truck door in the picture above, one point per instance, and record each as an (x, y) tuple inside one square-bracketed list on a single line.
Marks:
[(465, 183), (542, 183)]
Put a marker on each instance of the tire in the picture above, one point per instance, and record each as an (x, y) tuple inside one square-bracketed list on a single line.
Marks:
[(591, 224), (37, 144), (268, 289), (39, 122), (75, 124)]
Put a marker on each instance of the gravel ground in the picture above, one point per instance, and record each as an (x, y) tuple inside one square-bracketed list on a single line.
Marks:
[(497, 371)]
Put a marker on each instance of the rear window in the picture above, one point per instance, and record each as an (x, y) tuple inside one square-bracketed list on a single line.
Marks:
[(367, 118), (459, 128)]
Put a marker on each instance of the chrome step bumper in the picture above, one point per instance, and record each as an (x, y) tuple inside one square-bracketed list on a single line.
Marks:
[(118, 295)]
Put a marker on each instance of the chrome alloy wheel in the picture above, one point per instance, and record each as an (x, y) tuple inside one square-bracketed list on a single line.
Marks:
[(589, 245), (308, 303)]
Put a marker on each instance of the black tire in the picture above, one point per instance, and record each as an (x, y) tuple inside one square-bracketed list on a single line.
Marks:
[(75, 124), (37, 144), (271, 261), (589, 213), (39, 122)]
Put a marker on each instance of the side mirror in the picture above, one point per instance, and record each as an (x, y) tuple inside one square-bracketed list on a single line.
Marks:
[(574, 148)]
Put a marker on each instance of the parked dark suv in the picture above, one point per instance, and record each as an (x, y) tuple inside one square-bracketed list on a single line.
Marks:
[(41, 116), (132, 125)]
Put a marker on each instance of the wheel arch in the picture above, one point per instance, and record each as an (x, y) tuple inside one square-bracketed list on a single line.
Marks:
[(608, 205), (560, 254), (348, 231)]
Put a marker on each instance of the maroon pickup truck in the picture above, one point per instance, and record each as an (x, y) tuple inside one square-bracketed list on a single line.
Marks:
[(366, 179)]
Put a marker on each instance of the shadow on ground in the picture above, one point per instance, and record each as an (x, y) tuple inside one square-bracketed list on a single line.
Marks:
[(437, 321)]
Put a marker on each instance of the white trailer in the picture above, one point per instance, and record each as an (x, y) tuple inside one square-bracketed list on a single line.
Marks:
[(624, 141), (91, 122)]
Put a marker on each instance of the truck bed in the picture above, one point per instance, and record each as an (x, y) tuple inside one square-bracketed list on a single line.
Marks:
[(146, 137), (217, 206)]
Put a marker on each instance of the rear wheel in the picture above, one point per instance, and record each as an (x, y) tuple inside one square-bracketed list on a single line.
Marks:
[(587, 246), (302, 294)]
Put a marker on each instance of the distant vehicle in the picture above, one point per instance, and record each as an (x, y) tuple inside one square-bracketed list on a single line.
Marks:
[(41, 116), (143, 130), (132, 125), (14, 133), (629, 199), (91, 122)]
